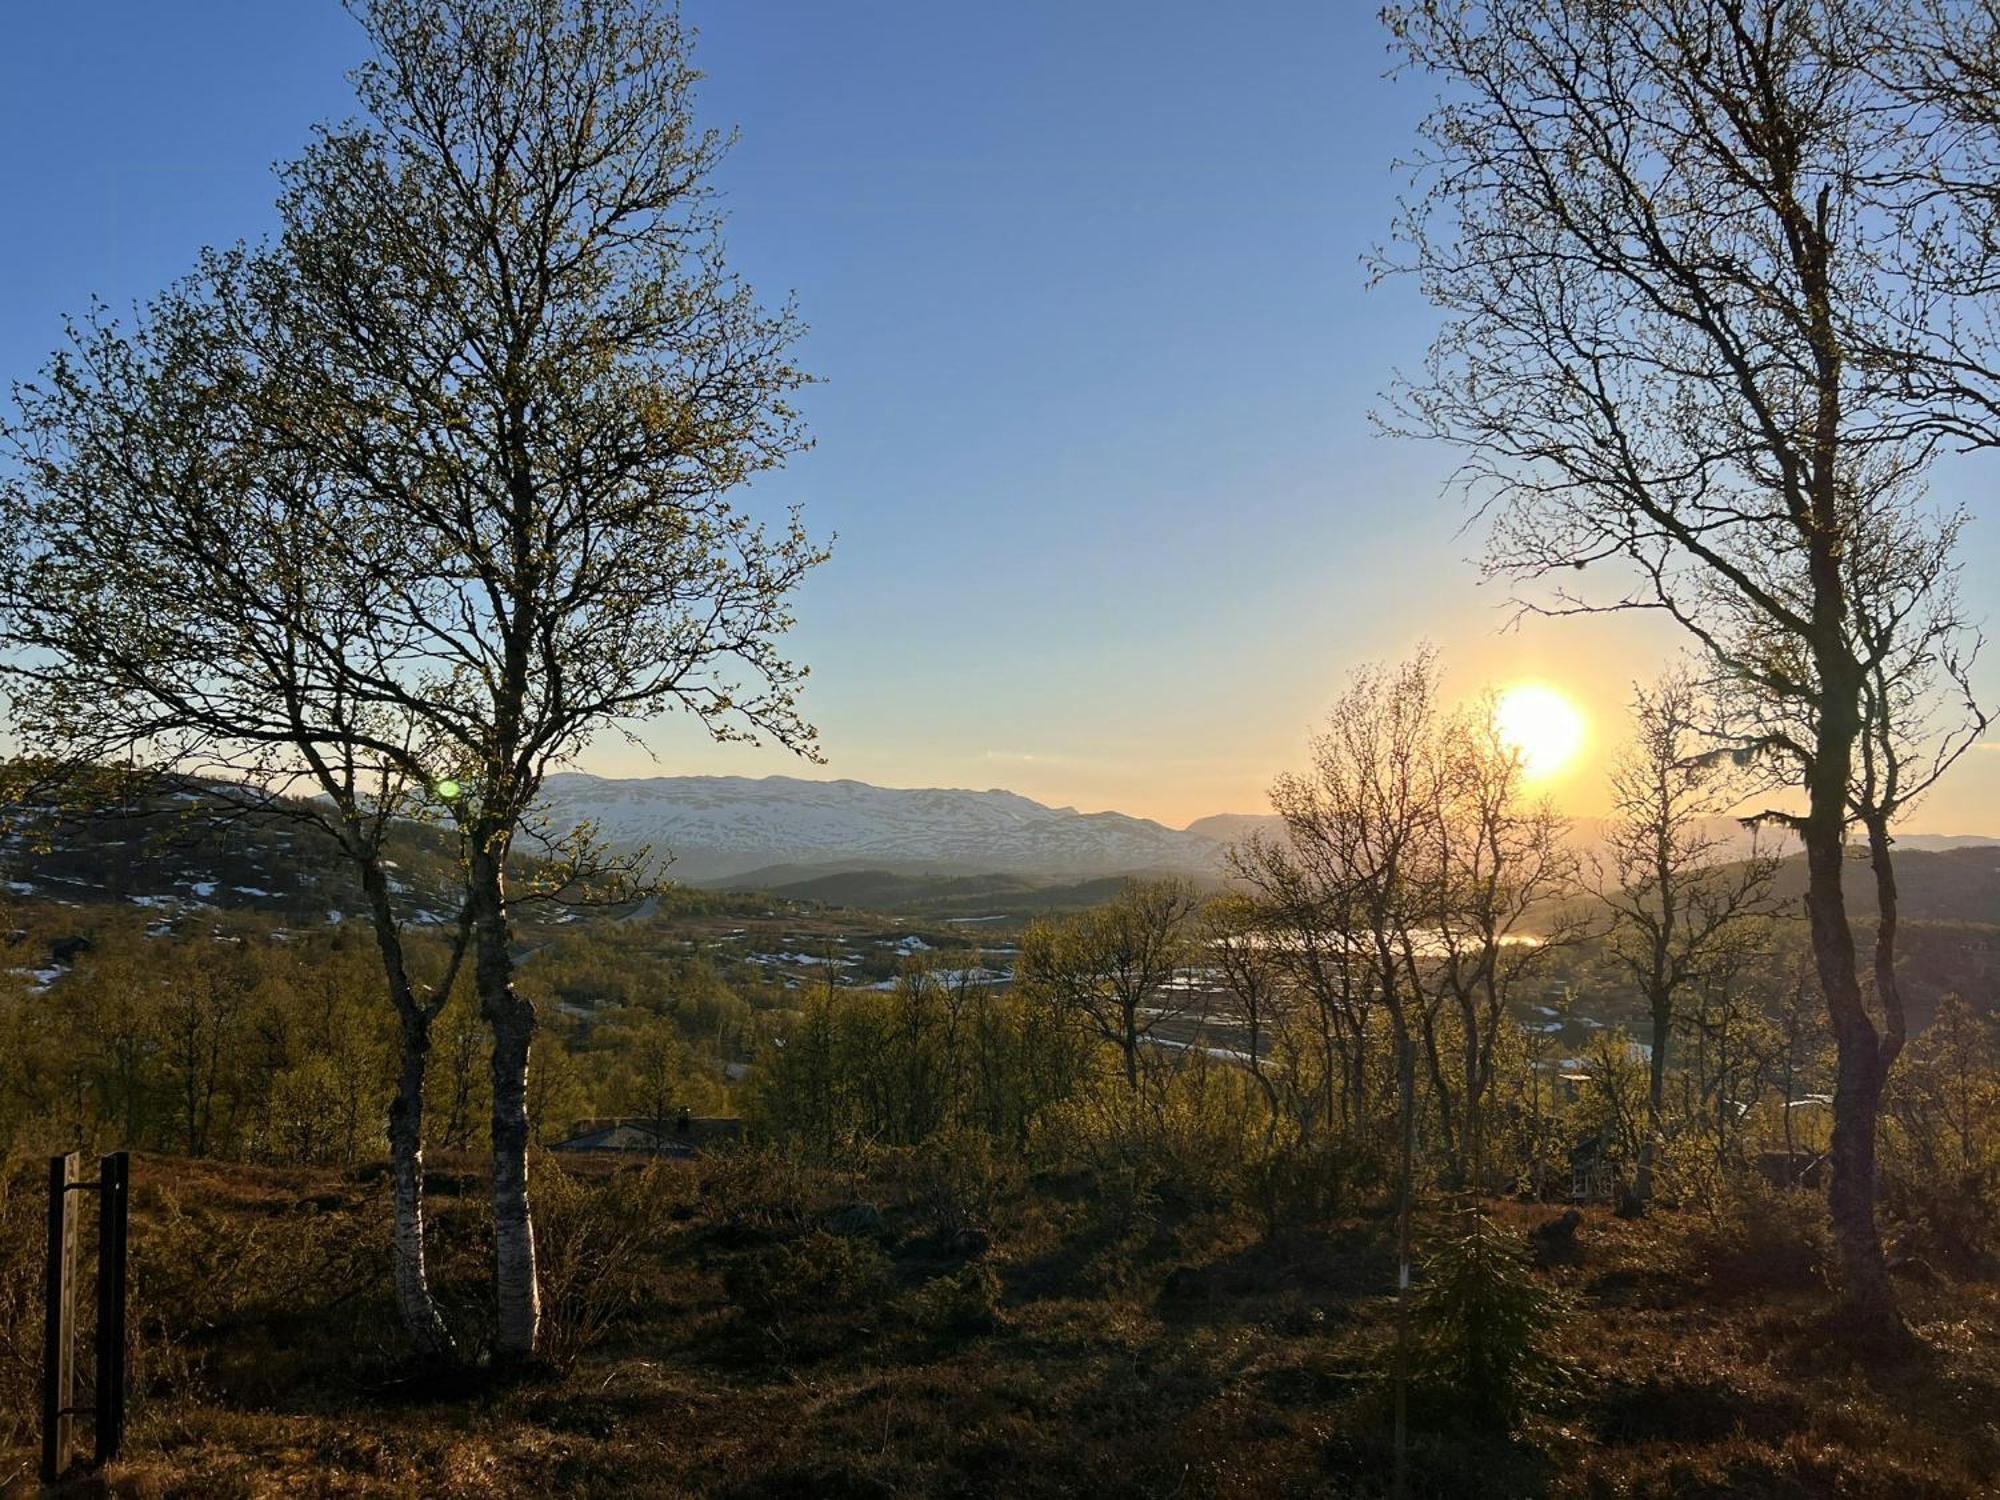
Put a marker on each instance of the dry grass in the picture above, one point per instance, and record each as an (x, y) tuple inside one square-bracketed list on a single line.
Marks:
[(1152, 1354)]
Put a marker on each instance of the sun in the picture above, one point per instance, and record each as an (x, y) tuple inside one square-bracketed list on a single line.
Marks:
[(1541, 725)]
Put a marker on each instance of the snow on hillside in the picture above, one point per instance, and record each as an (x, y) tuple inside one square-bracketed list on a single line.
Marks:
[(720, 826)]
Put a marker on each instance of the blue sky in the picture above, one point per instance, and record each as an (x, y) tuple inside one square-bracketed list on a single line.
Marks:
[(1087, 302)]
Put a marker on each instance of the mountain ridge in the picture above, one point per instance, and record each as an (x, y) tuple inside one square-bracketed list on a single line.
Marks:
[(724, 827), (779, 828)]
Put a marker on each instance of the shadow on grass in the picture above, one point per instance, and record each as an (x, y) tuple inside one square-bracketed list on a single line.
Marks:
[(1300, 1282)]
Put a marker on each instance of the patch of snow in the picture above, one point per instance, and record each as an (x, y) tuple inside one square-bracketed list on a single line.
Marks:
[(953, 976), (1221, 1054)]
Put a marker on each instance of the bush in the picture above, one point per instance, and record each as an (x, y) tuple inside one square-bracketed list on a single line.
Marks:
[(244, 1305), (1760, 1239), (1482, 1322), (1303, 1184), (963, 1303), (768, 1189), (1951, 1222), (594, 1245), (817, 1271), (959, 1178)]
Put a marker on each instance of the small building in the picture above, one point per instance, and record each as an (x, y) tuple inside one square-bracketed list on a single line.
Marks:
[(683, 1136), (1595, 1173)]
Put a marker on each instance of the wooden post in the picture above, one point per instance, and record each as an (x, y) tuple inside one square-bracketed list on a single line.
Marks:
[(114, 1175), (59, 1322)]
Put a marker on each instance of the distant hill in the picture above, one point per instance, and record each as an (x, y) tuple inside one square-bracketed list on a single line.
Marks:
[(182, 856), (179, 854), (838, 843), (732, 828), (1960, 884), (933, 895), (1231, 828)]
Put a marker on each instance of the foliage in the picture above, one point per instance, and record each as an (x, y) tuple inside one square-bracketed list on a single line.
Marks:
[(1483, 1324), (254, 1036), (961, 1303), (818, 1272), (595, 1243), (1758, 1239)]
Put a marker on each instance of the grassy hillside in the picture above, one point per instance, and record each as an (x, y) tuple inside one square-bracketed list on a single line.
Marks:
[(1073, 1340)]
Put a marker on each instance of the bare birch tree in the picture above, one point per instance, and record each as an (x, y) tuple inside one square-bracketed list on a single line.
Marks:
[(1681, 326), (1111, 968), (1505, 870), (1677, 891)]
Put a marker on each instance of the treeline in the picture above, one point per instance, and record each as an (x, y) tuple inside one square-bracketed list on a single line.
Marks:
[(1306, 1126), (1388, 994), (227, 1038)]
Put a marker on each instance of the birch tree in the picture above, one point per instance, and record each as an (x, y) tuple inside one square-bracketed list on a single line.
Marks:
[(497, 328), (183, 602), (1683, 319), (1677, 893)]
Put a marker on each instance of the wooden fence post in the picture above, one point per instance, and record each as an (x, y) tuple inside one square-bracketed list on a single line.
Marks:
[(107, 1409), (59, 1324), (114, 1175)]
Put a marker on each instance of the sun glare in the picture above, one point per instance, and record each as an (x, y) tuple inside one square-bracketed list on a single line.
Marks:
[(1541, 726)]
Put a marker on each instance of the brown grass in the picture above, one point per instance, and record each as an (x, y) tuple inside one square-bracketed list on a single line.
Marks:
[(1151, 1355)]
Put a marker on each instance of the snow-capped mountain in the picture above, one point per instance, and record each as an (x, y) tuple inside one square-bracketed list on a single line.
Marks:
[(716, 827)]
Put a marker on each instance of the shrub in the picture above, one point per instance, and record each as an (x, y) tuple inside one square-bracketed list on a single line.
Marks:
[(764, 1189), (594, 1244), (963, 1303), (1951, 1221), (246, 1305), (1759, 1239), (960, 1177), (1299, 1183), (1482, 1321), (817, 1271)]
